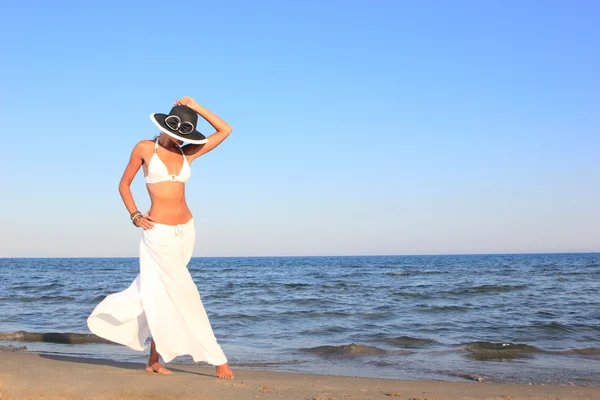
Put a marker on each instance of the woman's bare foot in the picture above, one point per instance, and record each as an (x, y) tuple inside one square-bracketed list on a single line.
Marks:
[(158, 368), (224, 372), (153, 365)]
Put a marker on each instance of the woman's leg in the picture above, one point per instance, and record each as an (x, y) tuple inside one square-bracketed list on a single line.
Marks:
[(223, 370), (172, 303), (153, 364)]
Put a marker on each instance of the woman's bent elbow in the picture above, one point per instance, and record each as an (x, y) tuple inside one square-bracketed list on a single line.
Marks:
[(123, 186)]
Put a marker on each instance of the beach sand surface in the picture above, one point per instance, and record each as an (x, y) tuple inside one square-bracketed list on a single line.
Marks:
[(39, 376)]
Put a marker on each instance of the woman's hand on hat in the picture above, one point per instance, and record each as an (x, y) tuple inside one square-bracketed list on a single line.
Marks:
[(145, 222), (186, 101)]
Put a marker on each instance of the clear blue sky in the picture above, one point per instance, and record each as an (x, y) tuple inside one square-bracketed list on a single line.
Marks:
[(359, 127)]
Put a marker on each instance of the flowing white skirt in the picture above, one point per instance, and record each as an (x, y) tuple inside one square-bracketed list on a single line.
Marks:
[(163, 301)]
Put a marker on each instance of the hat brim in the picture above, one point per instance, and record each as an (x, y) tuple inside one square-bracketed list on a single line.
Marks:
[(194, 137)]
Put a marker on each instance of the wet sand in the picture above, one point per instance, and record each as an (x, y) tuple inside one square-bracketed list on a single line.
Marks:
[(36, 376)]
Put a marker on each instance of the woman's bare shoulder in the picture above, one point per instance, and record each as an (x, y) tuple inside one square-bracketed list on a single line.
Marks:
[(143, 150), (143, 146)]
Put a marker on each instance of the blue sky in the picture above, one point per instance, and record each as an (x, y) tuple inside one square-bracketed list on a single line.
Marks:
[(359, 127)]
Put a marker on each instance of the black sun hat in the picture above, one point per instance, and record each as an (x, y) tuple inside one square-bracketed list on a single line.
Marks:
[(180, 124)]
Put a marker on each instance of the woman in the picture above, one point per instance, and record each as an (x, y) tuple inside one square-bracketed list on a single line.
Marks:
[(163, 300)]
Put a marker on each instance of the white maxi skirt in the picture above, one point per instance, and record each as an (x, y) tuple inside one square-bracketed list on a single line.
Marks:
[(163, 301)]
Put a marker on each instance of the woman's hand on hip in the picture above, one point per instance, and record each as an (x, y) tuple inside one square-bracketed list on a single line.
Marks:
[(145, 222)]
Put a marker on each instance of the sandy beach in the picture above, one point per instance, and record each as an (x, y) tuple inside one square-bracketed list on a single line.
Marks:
[(39, 376)]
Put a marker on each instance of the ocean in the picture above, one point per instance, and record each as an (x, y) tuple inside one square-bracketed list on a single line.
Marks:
[(532, 318)]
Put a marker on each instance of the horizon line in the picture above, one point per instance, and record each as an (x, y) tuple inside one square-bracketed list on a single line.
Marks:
[(316, 256)]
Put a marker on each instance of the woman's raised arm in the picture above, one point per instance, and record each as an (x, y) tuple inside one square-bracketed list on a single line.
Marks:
[(222, 127)]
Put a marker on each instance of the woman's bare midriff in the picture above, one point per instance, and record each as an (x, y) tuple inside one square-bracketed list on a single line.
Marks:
[(168, 203)]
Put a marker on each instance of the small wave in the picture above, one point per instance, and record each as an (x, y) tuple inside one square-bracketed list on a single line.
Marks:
[(12, 348), (553, 326), (345, 351), (259, 364), (545, 314), (409, 273), (307, 301), (590, 351), (469, 377), (571, 273), (97, 299), (24, 286), (45, 298), (381, 363), (324, 331), (406, 341), (488, 289), (494, 351), (296, 285), (443, 309), (308, 313), (413, 295), (379, 315), (52, 337), (251, 285), (241, 316), (338, 285)]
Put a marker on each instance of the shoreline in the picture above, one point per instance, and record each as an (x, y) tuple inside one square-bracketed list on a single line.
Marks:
[(558, 371), (36, 375)]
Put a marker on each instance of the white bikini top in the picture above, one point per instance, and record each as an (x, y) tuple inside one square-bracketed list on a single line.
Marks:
[(157, 170)]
